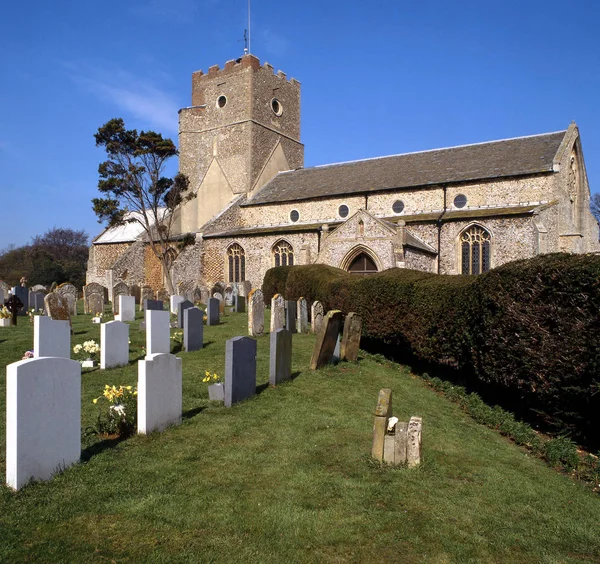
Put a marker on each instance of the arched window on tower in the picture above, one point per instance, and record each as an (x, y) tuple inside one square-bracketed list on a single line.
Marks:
[(236, 258), (283, 254), (475, 245)]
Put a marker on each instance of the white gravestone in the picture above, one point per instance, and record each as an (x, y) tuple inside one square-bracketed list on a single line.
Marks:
[(51, 337), (43, 418), (277, 312), (175, 301), (126, 308), (158, 332), (159, 392), (114, 343)]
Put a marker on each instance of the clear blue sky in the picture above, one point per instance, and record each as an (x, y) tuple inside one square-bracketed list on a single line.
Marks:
[(378, 78)]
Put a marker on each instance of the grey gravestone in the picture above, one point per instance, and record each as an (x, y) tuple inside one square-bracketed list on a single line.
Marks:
[(93, 298), (212, 311), (290, 316), (153, 305), (239, 304), (277, 312), (36, 300), (256, 313), (351, 337), (181, 307), (193, 329), (228, 296), (327, 339), (57, 306), (70, 292), (240, 369), (280, 366), (39, 288), (146, 293), (218, 296), (316, 317), (23, 294), (302, 321), (120, 289)]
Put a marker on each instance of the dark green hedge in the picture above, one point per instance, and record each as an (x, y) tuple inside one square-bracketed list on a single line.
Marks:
[(529, 329)]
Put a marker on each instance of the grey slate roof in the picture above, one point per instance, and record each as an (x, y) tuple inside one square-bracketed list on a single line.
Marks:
[(496, 159)]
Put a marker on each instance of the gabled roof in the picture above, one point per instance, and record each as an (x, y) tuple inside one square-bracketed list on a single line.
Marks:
[(126, 233), (496, 159)]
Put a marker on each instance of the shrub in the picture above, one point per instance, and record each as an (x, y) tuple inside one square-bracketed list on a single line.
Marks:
[(274, 282), (562, 451)]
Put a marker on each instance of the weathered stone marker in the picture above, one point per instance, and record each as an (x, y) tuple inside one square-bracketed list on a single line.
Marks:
[(280, 366), (256, 313), (413, 447), (212, 311), (277, 312), (400, 442), (290, 316), (119, 289), (383, 412), (326, 340), (57, 307), (193, 329), (93, 298), (316, 317), (240, 369), (302, 321), (69, 292), (351, 337)]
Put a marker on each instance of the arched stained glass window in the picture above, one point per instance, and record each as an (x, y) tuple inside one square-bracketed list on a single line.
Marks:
[(475, 250), (236, 258), (362, 264), (283, 254)]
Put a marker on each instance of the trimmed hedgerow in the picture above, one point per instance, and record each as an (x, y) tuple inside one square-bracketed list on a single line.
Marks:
[(529, 329)]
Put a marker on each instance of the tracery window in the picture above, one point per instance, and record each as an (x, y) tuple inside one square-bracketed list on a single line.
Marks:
[(283, 254), (236, 258), (475, 250), (362, 264)]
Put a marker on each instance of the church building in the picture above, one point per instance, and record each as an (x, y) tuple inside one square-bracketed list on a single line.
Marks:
[(458, 210)]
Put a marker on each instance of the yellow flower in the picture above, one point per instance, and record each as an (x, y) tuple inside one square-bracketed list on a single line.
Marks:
[(129, 387), (95, 400)]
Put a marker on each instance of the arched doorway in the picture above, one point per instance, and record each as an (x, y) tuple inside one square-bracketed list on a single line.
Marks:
[(362, 264)]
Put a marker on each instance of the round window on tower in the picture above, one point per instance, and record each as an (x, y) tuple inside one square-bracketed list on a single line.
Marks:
[(343, 210), (276, 107), (221, 101), (398, 206), (294, 216), (460, 201)]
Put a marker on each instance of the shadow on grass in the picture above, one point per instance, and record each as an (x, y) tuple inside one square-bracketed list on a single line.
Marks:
[(260, 389), (100, 447), (192, 413), (295, 375)]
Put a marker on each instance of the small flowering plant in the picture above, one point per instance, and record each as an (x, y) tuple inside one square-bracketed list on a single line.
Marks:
[(177, 336), (91, 349), (119, 415), (5, 313), (27, 355), (211, 378)]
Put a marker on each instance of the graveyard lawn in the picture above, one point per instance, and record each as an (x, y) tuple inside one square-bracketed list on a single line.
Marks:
[(287, 475)]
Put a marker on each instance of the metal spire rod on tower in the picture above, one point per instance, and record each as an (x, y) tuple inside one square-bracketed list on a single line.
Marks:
[(249, 51)]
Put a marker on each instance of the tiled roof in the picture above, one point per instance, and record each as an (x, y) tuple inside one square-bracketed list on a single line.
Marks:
[(495, 159)]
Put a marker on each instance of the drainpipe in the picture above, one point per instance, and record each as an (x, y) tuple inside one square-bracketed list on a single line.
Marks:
[(439, 228)]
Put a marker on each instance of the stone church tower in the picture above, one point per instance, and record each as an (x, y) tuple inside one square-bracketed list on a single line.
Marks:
[(242, 129)]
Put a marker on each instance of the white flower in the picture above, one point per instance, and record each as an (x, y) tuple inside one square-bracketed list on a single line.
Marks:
[(392, 423), (119, 409)]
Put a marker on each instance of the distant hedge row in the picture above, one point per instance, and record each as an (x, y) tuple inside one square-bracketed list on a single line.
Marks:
[(529, 328)]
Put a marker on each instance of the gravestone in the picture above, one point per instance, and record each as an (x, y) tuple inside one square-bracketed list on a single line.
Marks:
[(302, 321), (158, 332), (23, 294), (136, 292), (400, 443), (93, 298), (162, 295), (1, 297), (199, 295), (336, 351), (193, 329), (43, 418), (39, 288), (290, 316), (239, 304), (174, 302), (114, 344), (351, 337), (69, 292), (147, 293), (186, 289), (383, 412), (326, 340), (154, 305), (413, 446), (277, 312), (280, 365), (36, 300), (126, 309), (228, 296), (212, 311), (181, 307), (14, 305), (256, 313), (245, 288), (57, 307), (120, 289), (51, 337), (316, 316), (240, 369), (159, 391), (218, 296)]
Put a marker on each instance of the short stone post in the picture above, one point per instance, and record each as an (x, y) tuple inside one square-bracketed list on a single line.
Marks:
[(212, 311), (383, 412), (114, 342), (158, 332), (280, 366), (351, 337), (302, 321), (326, 340), (240, 369), (316, 317), (256, 313), (193, 329), (277, 312)]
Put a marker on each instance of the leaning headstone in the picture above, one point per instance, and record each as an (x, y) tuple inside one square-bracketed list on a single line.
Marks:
[(181, 307), (23, 294), (351, 337), (174, 302), (114, 344), (212, 311), (239, 304), (93, 298), (383, 412), (193, 329), (51, 337), (158, 332), (69, 292), (119, 289), (280, 366), (159, 392), (413, 446), (277, 312), (154, 305), (240, 369), (57, 306), (256, 313), (302, 320), (316, 316), (147, 293), (326, 340), (126, 309), (290, 316), (43, 418)]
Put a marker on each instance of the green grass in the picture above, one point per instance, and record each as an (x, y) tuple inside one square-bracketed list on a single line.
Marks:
[(286, 477)]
